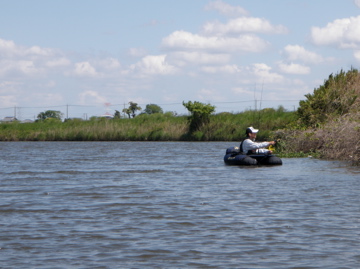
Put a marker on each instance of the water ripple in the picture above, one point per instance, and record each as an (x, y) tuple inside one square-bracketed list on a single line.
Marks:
[(172, 208)]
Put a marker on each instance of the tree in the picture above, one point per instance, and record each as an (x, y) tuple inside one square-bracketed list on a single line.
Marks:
[(131, 110), (117, 114), (152, 109), (50, 114), (200, 114)]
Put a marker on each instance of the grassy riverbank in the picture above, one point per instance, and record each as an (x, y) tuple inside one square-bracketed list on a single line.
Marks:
[(321, 142), (153, 127), (329, 120)]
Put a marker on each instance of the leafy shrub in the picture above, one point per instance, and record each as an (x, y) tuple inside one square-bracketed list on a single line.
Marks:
[(200, 114), (333, 99)]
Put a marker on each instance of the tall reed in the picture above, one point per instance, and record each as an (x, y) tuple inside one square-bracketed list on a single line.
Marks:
[(154, 127)]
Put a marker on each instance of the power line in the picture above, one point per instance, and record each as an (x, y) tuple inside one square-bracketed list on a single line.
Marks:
[(163, 104), (74, 110)]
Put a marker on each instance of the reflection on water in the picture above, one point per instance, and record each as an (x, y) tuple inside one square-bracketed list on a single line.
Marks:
[(172, 205)]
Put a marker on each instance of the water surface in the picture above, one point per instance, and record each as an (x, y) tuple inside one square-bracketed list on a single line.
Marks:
[(172, 205)]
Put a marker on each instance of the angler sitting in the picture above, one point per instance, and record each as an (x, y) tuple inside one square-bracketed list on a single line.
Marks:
[(249, 146)]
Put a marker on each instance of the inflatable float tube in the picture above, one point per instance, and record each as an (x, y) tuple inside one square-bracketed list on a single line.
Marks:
[(234, 157)]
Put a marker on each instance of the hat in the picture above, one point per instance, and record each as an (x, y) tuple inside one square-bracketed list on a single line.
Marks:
[(251, 130)]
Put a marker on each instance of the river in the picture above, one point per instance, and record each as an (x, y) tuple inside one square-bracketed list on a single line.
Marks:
[(172, 205)]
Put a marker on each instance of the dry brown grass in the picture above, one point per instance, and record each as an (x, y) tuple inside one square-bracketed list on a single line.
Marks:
[(331, 118), (341, 138), (338, 139)]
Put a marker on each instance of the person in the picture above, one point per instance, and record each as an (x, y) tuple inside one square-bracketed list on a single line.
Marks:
[(249, 146)]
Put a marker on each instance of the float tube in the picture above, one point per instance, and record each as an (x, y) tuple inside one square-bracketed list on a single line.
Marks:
[(234, 157)]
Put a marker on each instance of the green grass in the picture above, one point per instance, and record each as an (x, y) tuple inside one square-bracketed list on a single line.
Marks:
[(272, 123), (154, 127)]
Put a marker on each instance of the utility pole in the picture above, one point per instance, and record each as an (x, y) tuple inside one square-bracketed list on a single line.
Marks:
[(18, 113)]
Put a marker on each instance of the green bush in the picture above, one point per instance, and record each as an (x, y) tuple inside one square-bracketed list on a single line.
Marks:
[(334, 98), (200, 114)]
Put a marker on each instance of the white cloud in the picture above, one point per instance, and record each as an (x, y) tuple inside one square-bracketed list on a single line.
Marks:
[(206, 95), (226, 9), (109, 64), (8, 93), (153, 65), (26, 67), (51, 84), (49, 98), (343, 33), (91, 97), (85, 69), (183, 40), (18, 68), (226, 69), (58, 62), (293, 68), (97, 68), (36, 50), (182, 58), (7, 100), (357, 55), (9, 49), (263, 72), (243, 25), (357, 3), (137, 52), (299, 53), (17, 61), (241, 91), (6, 45)]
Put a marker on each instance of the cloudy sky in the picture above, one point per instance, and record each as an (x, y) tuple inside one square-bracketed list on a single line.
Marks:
[(86, 57)]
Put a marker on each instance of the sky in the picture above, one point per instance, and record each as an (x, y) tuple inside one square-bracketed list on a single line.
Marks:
[(90, 57)]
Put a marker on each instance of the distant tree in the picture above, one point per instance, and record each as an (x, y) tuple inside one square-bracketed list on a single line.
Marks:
[(170, 113), (50, 114), (152, 109), (93, 118), (117, 114), (131, 110), (200, 114), (127, 111)]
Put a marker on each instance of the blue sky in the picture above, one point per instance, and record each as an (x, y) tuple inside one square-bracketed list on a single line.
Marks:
[(86, 57)]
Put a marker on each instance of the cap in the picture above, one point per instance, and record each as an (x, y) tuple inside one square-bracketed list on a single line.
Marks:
[(251, 130)]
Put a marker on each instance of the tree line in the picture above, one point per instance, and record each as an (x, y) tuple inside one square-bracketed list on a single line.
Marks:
[(200, 112), (130, 111)]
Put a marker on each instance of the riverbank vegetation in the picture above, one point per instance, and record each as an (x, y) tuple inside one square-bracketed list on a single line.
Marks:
[(326, 124), (150, 127)]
